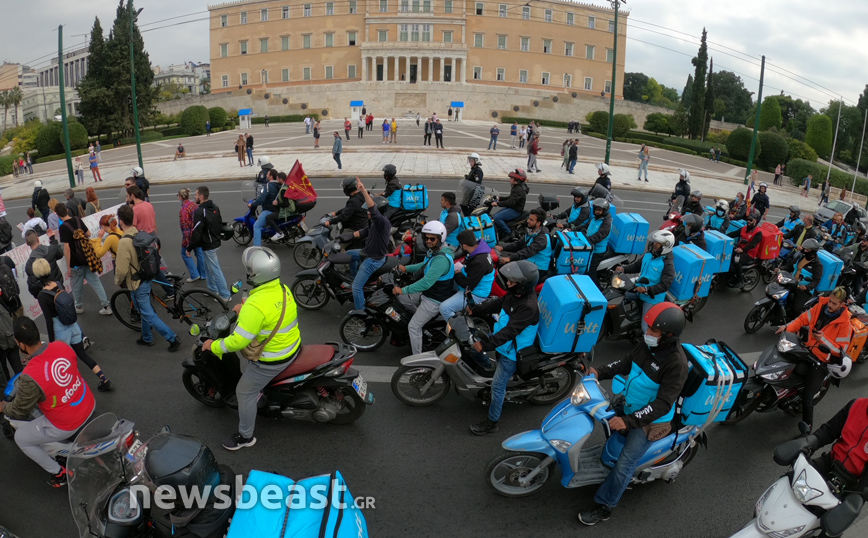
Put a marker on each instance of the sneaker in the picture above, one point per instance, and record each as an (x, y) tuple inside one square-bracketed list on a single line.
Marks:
[(105, 386), (142, 342), (277, 237), (174, 345), (79, 310), (193, 279), (105, 311), (598, 514), (60, 479), (87, 343), (238, 441), (646, 180), (484, 427)]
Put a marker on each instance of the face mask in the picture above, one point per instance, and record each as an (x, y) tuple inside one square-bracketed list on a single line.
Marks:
[(651, 341), (810, 255)]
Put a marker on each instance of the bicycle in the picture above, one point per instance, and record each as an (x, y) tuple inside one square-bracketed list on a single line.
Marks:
[(195, 306)]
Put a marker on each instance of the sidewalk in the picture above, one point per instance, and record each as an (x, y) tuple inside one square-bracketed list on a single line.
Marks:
[(414, 164)]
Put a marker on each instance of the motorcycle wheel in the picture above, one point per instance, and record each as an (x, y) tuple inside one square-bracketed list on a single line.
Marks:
[(309, 294), (741, 412), (241, 234), (201, 390), (751, 279), (307, 255), (768, 275), (561, 379), (699, 304), (504, 472), (863, 356), (407, 380), (366, 335), (352, 409), (756, 318)]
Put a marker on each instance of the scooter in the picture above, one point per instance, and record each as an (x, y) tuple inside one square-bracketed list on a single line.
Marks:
[(517, 225), (292, 229), (317, 386), (621, 323), (425, 379), (772, 308), (309, 249), (802, 502)]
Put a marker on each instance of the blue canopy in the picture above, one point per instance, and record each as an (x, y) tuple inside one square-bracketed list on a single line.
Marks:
[(246, 112), (357, 103), (457, 104)]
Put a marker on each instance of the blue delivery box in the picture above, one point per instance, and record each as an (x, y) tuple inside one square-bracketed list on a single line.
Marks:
[(572, 253), (629, 233), (720, 246), (571, 311), (693, 272)]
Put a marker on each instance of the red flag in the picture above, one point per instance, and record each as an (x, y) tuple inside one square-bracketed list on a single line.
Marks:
[(299, 186)]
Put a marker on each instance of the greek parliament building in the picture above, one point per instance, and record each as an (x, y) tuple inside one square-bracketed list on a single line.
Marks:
[(413, 55)]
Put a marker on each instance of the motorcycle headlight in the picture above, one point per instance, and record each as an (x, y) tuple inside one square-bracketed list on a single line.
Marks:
[(617, 282), (560, 445), (775, 376), (803, 491), (580, 395), (785, 346), (779, 295)]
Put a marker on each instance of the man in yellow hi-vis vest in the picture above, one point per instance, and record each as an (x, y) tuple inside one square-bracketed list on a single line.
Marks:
[(257, 318)]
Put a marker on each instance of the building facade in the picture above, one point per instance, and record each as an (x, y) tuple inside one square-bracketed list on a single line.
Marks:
[(74, 69), (548, 45)]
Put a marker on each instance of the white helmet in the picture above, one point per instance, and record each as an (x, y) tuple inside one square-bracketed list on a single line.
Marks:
[(722, 204), (474, 156), (840, 371), (603, 168), (662, 237), (37, 184), (263, 161), (137, 171), (684, 174), (435, 227)]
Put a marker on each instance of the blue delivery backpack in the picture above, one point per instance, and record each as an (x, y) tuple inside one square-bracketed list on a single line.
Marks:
[(693, 272), (571, 310), (713, 368), (572, 253), (735, 225), (720, 246), (832, 266), (414, 197), (483, 228), (317, 507), (629, 233)]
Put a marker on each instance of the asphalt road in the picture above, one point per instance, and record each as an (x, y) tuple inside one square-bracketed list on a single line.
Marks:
[(423, 466)]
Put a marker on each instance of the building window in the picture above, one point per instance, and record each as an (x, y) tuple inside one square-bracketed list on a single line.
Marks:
[(330, 8), (568, 49), (284, 12), (263, 15), (414, 34), (263, 76), (243, 17), (522, 76), (403, 32), (477, 73), (447, 6), (306, 73), (305, 41), (405, 6), (501, 10), (351, 71), (477, 40), (607, 86), (547, 46), (570, 19), (447, 37), (546, 77), (351, 38), (329, 72), (417, 5), (224, 50), (224, 81), (568, 81), (589, 83), (612, 26), (501, 74), (329, 40), (479, 8), (589, 52), (224, 21), (244, 78), (548, 15), (307, 10), (382, 36), (426, 33), (353, 7), (592, 23), (525, 44), (284, 43), (610, 55), (243, 48), (284, 75), (525, 13), (501, 42), (384, 6), (263, 44), (426, 6)]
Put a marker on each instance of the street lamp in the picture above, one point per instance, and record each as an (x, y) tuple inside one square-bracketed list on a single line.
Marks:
[(133, 18), (615, 5)]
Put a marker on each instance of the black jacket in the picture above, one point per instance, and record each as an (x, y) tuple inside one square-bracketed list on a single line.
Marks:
[(144, 185), (516, 199), (377, 235), (267, 196), (392, 185), (815, 267), (475, 174), (697, 239), (354, 215), (682, 188), (666, 279), (206, 227), (522, 250), (605, 181), (477, 264), (691, 206), (522, 311), (249, 142), (665, 365), (50, 253), (574, 151), (760, 202), (797, 230), (40, 200)]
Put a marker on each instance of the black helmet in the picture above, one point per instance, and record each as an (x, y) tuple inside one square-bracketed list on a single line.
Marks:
[(693, 222), (602, 204), (381, 203), (389, 171), (579, 192), (666, 317), (752, 216), (810, 244), (226, 231), (180, 461), (349, 185), (524, 273), (796, 209)]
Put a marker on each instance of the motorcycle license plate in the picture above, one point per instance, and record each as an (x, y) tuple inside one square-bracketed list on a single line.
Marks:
[(131, 453), (303, 226), (361, 388)]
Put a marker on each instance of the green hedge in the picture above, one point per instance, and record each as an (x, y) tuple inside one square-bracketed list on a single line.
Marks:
[(6, 164), (775, 150), (50, 158), (145, 136), (77, 136), (798, 170), (48, 139), (543, 123), (173, 131), (193, 120), (292, 118)]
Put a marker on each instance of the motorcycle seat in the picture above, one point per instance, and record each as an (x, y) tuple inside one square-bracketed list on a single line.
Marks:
[(521, 218), (173, 278), (308, 358), (391, 263)]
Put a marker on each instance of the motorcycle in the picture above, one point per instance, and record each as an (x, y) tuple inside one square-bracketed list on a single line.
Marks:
[(620, 322), (751, 273), (517, 225), (318, 386), (309, 249), (425, 379), (802, 502), (772, 308), (774, 381), (293, 228)]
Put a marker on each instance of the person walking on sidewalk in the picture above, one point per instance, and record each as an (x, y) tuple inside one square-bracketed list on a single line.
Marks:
[(824, 192), (418, 118), (347, 126), (307, 125), (361, 126), (387, 128), (73, 235), (438, 134), (266, 120), (574, 155), (207, 223), (239, 149), (316, 134), (94, 167), (777, 180), (565, 153), (494, 132), (806, 185), (79, 171), (249, 144), (533, 151), (513, 134), (644, 158), (337, 147), (207, 127), (428, 128)]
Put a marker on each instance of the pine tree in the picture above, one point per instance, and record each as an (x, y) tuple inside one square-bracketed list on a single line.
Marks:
[(687, 94), (95, 107), (697, 105), (709, 101)]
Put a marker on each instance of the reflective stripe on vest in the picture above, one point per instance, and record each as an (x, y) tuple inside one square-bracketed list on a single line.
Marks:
[(543, 258), (444, 287), (652, 269), (524, 339), (592, 229), (639, 391)]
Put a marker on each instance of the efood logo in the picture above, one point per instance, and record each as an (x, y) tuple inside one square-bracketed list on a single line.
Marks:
[(60, 371)]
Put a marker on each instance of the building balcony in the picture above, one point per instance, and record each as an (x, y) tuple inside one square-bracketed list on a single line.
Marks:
[(414, 48)]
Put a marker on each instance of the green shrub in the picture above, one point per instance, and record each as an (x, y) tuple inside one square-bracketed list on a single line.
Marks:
[(738, 144), (656, 123), (622, 124), (798, 170), (193, 120), (6, 164), (775, 150), (599, 122), (595, 135), (524, 121), (718, 137), (48, 139), (145, 136), (62, 156), (800, 150), (770, 115), (218, 117), (292, 118), (657, 145), (819, 134), (77, 136), (172, 131)]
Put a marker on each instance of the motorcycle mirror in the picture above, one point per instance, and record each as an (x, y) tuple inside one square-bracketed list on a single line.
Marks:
[(236, 287), (195, 330)]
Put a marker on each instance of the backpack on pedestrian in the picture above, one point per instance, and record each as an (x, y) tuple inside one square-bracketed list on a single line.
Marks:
[(5, 231), (94, 263), (147, 250), (9, 290), (64, 304)]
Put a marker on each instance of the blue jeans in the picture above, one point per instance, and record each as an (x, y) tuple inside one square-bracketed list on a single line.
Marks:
[(503, 216), (616, 483), (142, 298), (306, 129), (249, 156), (195, 265), (257, 227), (337, 157), (79, 274), (214, 275), (492, 141), (368, 267), (572, 165), (450, 306), (505, 370), (643, 166), (631, 296)]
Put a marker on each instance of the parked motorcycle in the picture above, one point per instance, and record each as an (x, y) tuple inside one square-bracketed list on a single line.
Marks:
[(318, 386), (425, 379), (772, 308)]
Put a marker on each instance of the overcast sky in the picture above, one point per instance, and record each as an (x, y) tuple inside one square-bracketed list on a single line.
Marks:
[(822, 41)]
